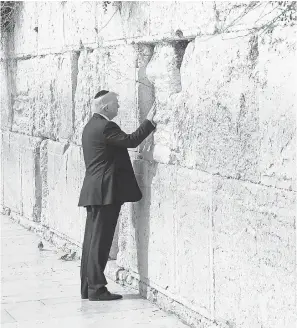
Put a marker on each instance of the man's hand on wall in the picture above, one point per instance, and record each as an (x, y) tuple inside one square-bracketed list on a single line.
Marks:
[(151, 113)]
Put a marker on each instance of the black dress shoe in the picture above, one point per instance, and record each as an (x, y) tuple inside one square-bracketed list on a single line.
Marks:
[(104, 295), (84, 297)]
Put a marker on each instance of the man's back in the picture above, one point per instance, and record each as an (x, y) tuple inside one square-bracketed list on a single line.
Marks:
[(109, 173), (95, 150)]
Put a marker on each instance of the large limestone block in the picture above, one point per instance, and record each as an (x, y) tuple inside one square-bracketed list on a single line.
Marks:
[(50, 27), (191, 18), (43, 96), (54, 96), (277, 104), (31, 178), (163, 72), (134, 230), (135, 19), (22, 184), (193, 239), (88, 82), (79, 23), (110, 22), (112, 69), (144, 88), (154, 20), (143, 247), (157, 20), (145, 94), (25, 30), (120, 72), (62, 171), (254, 254), (12, 172), (212, 122), (5, 96), (23, 78), (51, 155)]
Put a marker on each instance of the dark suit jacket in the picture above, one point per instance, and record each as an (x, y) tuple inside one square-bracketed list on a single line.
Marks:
[(109, 176)]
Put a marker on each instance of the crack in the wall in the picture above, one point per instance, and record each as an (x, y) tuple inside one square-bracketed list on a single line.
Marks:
[(180, 48), (74, 77), (11, 73), (43, 163), (38, 188), (253, 52)]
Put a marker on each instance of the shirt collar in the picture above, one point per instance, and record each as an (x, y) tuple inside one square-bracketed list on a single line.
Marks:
[(103, 116)]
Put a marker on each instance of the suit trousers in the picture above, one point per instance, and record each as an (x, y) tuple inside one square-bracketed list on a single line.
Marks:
[(99, 231)]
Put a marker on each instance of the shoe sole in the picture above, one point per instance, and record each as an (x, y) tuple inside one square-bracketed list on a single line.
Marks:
[(103, 300)]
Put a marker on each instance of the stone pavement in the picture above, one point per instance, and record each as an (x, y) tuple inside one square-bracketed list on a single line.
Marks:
[(40, 290)]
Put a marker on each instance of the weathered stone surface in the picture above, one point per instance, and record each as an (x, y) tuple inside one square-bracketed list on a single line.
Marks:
[(134, 231), (212, 122), (154, 20), (277, 104), (144, 88), (191, 18), (22, 185), (163, 236), (160, 20), (254, 254), (23, 101), (5, 96), (62, 171), (145, 95), (30, 177), (79, 24), (4, 44), (47, 109), (12, 172), (193, 239), (243, 16), (25, 30), (109, 22), (142, 246), (163, 71), (54, 96), (88, 82), (111, 69), (225, 119), (50, 27), (135, 19)]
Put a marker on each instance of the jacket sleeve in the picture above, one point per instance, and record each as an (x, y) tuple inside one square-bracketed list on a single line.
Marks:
[(116, 137)]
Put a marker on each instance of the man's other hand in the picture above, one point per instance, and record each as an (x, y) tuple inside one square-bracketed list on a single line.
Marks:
[(151, 113)]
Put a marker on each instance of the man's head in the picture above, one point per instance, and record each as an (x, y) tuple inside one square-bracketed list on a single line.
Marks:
[(106, 103)]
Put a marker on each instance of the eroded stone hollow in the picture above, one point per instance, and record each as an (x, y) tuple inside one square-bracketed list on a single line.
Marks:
[(163, 69)]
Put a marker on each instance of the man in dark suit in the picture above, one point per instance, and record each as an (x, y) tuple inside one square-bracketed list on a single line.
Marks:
[(109, 182)]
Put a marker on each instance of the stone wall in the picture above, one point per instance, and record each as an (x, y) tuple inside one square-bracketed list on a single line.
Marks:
[(214, 237)]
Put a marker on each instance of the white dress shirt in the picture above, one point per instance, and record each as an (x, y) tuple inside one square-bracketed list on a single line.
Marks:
[(105, 117)]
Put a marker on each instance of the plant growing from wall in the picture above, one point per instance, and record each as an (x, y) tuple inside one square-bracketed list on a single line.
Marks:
[(105, 4), (8, 11), (281, 13)]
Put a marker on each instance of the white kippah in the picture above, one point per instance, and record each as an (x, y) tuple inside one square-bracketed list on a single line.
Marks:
[(102, 101)]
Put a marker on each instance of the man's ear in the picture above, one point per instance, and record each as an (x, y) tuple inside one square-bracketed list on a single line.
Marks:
[(105, 108)]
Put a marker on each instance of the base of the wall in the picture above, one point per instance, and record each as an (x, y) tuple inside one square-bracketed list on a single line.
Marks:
[(166, 303), (60, 241), (120, 275)]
